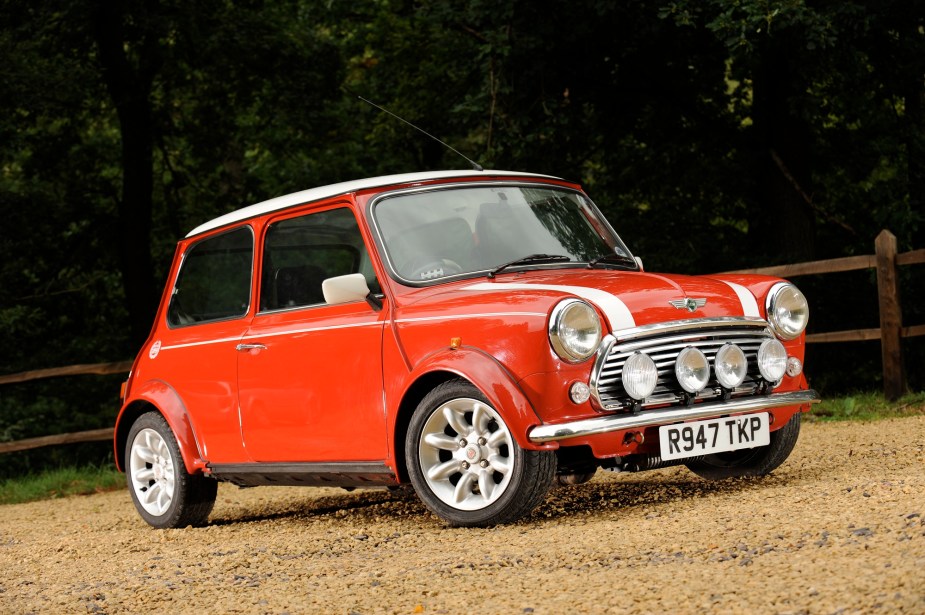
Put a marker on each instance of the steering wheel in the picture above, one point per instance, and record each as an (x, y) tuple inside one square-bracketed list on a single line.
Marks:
[(432, 269)]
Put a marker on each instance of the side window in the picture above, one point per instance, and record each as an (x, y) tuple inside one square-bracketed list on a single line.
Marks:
[(300, 253), (214, 282)]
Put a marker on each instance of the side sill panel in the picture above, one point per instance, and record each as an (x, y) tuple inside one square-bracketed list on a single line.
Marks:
[(349, 474)]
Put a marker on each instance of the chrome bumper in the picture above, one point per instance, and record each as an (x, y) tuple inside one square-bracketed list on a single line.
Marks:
[(650, 418)]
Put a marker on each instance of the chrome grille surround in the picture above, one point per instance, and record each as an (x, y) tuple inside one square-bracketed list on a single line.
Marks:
[(663, 342)]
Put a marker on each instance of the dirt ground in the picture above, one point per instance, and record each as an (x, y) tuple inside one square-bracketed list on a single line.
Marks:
[(840, 528)]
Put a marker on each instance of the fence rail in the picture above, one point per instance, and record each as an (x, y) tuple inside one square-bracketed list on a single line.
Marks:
[(119, 367), (836, 265), (885, 260), (94, 435), (891, 331)]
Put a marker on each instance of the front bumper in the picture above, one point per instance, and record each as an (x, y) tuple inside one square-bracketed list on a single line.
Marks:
[(650, 418)]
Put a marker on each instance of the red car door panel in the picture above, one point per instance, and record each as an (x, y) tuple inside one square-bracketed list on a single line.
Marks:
[(310, 386)]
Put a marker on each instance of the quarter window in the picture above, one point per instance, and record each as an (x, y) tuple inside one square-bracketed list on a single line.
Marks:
[(214, 282)]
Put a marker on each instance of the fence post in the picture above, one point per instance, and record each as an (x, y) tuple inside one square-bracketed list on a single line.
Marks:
[(894, 384)]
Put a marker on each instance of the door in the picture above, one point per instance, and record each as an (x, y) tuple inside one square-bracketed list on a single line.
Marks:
[(309, 373), (194, 352)]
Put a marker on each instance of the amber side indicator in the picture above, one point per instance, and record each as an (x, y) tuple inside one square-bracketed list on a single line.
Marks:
[(122, 390), (455, 342)]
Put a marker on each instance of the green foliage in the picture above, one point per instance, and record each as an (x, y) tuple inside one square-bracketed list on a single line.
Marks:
[(238, 103), (867, 407), (61, 482), (715, 135)]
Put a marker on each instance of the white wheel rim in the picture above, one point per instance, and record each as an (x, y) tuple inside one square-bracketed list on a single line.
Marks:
[(152, 472), (467, 454)]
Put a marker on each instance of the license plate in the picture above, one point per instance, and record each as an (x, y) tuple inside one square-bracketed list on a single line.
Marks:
[(729, 433)]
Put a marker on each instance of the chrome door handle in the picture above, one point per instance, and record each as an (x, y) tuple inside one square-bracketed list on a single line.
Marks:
[(240, 347)]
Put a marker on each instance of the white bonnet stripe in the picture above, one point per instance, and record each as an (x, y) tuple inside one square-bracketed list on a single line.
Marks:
[(615, 310), (749, 305)]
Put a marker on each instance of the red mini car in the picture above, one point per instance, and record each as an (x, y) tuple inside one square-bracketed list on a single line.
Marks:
[(478, 335)]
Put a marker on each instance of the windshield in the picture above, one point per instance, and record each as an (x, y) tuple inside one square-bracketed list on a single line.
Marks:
[(440, 233)]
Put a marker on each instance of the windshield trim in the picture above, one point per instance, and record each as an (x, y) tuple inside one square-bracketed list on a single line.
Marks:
[(393, 272)]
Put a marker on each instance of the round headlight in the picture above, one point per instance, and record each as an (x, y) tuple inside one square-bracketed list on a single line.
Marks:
[(730, 366), (772, 360), (639, 375), (788, 311), (574, 330), (692, 369)]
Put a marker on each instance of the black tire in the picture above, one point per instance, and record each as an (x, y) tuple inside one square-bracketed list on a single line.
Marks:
[(502, 483), (759, 461), (152, 458)]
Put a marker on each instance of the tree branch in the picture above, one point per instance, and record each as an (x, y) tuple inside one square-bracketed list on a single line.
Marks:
[(806, 197)]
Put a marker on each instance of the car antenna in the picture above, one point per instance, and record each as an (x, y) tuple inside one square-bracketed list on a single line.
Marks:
[(474, 164)]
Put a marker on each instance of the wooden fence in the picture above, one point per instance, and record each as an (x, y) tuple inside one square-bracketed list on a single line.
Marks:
[(891, 331), (885, 260), (95, 435)]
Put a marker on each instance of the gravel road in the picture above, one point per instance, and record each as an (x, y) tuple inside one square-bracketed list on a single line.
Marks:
[(840, 528)]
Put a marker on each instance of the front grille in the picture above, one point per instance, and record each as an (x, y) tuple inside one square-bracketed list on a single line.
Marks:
[(663, 343)]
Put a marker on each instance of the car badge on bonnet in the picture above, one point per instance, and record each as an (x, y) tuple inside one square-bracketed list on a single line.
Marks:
[(689, 303)]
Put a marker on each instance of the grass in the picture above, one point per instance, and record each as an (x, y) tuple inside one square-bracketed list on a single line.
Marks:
[(867, 407), (61, 483), (97, 479)]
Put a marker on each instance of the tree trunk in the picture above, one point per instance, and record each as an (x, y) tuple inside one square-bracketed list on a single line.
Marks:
[(915, 118), (783, 226), (130, 89)]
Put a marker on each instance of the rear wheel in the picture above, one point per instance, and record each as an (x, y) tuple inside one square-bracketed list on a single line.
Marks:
[(758, 461), (164, 493), (464, 463)]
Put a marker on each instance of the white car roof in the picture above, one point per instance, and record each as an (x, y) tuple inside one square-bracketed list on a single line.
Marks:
[(323, 192)]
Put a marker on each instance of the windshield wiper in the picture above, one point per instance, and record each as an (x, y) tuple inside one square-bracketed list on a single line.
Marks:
[(533, 259), (616, 259)]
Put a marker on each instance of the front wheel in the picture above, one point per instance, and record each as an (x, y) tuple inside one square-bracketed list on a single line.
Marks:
[(164, 493), (758, 461), (464, 463)]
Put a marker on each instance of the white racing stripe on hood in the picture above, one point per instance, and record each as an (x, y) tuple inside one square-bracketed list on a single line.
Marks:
[(749, 305), (615, 310)]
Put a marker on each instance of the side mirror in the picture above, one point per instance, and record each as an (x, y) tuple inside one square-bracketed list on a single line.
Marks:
[(639, 262), (345, 288)]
